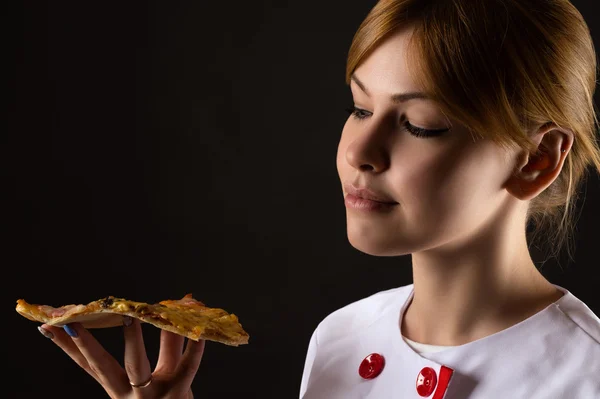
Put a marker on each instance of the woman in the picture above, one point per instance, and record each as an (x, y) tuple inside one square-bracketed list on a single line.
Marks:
[(471, 119)]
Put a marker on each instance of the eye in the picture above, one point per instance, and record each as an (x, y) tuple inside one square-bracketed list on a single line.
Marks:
[(357, 113), (416, 131), (424, 133)]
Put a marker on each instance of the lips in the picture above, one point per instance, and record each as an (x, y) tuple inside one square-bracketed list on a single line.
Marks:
[(368, 194)]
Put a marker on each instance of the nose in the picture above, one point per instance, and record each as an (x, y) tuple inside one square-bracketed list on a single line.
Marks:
[(368, 151)]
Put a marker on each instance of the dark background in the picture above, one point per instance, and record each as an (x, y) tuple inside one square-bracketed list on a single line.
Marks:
[(161, 148)]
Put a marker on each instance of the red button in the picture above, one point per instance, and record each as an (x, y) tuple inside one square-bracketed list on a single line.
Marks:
[(371, 366), (426, 381)]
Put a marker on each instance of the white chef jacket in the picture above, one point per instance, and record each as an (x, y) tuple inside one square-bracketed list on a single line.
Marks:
[(553, 354)]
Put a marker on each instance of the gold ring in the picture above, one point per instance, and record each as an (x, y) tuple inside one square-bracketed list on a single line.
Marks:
[(143, 384)]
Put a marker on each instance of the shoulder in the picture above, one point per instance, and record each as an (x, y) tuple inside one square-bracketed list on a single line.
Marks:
[(580, 316), (360, 314), (576, 342)]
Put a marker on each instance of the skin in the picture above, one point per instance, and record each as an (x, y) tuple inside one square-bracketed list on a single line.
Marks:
[(461, 209), (171, 379)]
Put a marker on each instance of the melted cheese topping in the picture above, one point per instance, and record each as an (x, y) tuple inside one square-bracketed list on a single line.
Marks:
[(187, 315)]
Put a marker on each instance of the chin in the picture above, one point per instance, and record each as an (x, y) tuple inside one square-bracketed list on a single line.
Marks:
[(376, 246)]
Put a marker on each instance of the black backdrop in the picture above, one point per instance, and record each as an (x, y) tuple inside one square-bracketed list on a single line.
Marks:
[(161, 148)]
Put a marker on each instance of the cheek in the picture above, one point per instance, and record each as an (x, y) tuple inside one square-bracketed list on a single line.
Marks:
[(416, 176), (438, 191), (455, 194)]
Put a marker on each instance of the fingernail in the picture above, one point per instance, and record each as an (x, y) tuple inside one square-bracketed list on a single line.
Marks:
[(70, 330), (45, 332), (127, 320)]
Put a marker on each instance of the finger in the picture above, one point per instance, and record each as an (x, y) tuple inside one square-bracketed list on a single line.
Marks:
[(171, 349), (64, 341), (136, 361), (190, 361), (110, 373)]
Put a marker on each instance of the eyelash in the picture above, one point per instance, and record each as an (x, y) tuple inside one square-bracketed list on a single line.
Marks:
[(414, 130)]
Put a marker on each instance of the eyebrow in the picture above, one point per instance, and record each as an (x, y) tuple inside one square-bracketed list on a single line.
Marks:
[(396, 98)]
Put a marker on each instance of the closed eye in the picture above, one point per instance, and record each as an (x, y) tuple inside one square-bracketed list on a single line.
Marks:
[(360, 114)]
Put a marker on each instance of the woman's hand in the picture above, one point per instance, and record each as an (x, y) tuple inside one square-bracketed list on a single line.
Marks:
[(171, 379)]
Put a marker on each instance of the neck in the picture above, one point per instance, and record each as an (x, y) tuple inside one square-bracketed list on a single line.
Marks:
[(466, 291)]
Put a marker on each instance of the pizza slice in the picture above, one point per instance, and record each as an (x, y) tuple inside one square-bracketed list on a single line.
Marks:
[(187, 316)]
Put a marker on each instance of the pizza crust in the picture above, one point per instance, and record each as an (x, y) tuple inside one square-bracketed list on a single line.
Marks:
[(187, 317)]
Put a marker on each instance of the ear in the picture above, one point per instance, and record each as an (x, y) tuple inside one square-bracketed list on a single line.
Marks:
[(535, 172)]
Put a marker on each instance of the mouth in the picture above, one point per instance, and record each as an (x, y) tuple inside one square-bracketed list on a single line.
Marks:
[(362, 204), (368, 194), (367, 199)]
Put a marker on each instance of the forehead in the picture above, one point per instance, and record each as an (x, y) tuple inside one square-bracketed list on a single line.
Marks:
[(386, 70)]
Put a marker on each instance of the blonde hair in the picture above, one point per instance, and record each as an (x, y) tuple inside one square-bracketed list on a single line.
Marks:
[(500, 67)]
